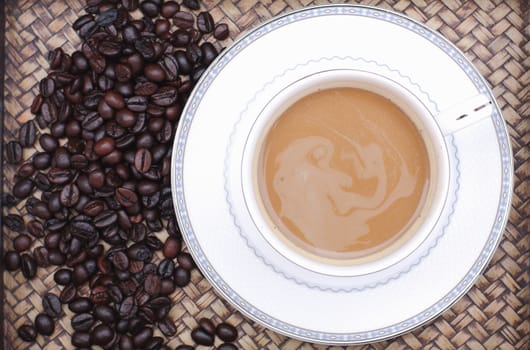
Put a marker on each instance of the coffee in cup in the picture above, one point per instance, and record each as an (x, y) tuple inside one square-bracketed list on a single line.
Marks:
[(343, 173)]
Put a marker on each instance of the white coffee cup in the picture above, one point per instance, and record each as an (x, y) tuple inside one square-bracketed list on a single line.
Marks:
[(432, 129)]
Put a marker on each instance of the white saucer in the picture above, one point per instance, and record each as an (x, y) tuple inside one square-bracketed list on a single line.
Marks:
[(309, 305)]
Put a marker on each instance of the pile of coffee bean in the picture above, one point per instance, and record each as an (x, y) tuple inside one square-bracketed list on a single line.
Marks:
[(98, 188)]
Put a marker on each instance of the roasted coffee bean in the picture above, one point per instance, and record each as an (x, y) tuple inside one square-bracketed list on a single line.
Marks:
[(107, 17), (101, 335), (165, 96), (104, 146), (14, 222), (41, 256), (63, 277), (183, 20), (146, 48), (83, 230), (49, 112), (125, 343), (61, 158), (181, 38), (27, 134), (167, 286), (96, 179), (201, 337), (145, 88), (123, 74), (81, 340), (28, 266), (23, 188), (72, 128), (169, 65), (114, 100), (155, 225), (119, 260), (126, 197), (182, 276), (42, 182), (94, 207), (193, 53), (59, 176), (130, 5), (226, 332), (48, 143), (68, 294), (83, 322), (139, 251), (221, 31), (154, 343), (205, 22), (98, 63), (142, 160), (81, 21), (12, 260), (92, 121), (207, 325), (47, 87), (127, 309), (27, 333), (197, 73), (162, 27), (41, 160), (169, 8), (109, 48), (166, 268), (69, 195), (154, 72), (79, 61), (52, 305), (209, 53), (55, 59), (185, 261), (171, 247), (104, 313), (79, 161), (142, 337), (36, 104), (130, 34), (152, 284), (13, 152), (227, 346), (147, 188), (149, 8), (8, 200), (80, 274), (105, 219), (80, 305), (191, 4), (137, 104), (56, 257), (164, 135), (125, 118), (22, 242), (44, 324), (51, 241)]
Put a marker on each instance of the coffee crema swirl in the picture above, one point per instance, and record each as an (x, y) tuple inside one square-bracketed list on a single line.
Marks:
[(344, 173)]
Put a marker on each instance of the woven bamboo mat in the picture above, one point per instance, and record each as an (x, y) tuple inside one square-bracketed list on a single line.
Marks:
[(495, 314)]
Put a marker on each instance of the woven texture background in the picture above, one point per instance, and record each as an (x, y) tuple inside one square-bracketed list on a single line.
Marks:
[(495, 314)]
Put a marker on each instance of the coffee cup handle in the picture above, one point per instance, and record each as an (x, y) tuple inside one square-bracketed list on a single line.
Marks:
[(465, 113)]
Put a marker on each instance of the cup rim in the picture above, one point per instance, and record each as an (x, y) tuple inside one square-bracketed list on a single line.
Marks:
[(432, 205)]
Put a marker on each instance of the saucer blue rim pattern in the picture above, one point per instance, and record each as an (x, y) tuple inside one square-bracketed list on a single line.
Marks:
[(325, 337)]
